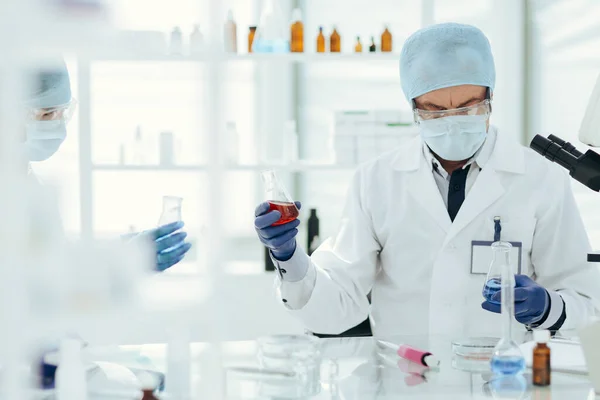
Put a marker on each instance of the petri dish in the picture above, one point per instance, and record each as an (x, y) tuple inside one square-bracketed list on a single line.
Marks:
[(296, 354), (476, 348)]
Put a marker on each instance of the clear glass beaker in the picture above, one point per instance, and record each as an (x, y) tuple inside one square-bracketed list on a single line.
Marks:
[(278, 198), (501, 258), (272, 35), (507, 358), (171, 211)]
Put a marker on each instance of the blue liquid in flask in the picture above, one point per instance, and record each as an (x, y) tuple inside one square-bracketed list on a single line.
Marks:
[(490, 289), (508, 365)]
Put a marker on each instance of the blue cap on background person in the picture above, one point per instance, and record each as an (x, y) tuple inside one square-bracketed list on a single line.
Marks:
[(445, 55), (50, 87)]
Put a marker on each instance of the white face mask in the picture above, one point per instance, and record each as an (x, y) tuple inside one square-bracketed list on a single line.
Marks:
[(43, 139), (455, 138)]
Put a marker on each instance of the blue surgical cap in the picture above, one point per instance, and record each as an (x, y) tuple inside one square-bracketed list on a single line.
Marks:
[(445, 55), (50, 87)]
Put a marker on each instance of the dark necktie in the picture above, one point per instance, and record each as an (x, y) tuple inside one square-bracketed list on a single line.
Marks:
[(456, 192)]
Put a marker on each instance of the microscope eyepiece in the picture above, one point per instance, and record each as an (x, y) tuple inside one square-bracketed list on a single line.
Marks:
[(553, 151)]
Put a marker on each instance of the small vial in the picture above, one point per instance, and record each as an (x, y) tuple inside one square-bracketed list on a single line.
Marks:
[(335, 42), (541, 359), (321, 41), (251, 33), (386, 41), (358, 48), (176, 42), (372, 47), (230, 34), (297, 32)]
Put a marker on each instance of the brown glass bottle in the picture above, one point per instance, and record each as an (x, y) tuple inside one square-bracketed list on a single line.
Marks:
[(297, 32), (358, 46), (335, 42), (386, 41), (321, 41), (372, 47), (251, 38), (541, 359)]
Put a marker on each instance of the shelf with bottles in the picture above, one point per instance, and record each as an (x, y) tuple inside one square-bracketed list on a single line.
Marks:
[(250, 57), (274, 39), (291, 167)]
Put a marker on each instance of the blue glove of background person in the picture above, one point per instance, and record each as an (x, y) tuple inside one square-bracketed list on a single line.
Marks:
[(281, 239), (170, 244), (531, 301)]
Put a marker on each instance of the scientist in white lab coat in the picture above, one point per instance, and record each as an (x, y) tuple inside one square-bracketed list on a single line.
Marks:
[(49, 107), (419, 220)]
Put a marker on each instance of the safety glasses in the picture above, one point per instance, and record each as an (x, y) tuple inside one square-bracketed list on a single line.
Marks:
[(483, 108), (62, 113)]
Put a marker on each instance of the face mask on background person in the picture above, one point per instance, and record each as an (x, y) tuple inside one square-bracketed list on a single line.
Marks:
[(454, 138), (43, 139), (49, 107)]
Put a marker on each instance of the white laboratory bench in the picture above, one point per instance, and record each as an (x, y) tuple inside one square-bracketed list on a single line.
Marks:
[(367, 372)]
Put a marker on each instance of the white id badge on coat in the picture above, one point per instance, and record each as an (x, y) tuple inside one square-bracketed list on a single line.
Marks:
[(482, 254)]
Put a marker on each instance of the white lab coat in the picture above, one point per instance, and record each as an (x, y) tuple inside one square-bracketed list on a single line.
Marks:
[(397, 240)]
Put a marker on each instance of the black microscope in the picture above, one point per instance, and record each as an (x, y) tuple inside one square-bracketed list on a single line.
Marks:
[(583, 167)]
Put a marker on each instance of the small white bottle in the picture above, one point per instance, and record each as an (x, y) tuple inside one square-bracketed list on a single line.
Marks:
[(70, 375), (230, 34), (176, 44), (166, 149), (231, 145), (196, 41), (137, 149), (290, 142)]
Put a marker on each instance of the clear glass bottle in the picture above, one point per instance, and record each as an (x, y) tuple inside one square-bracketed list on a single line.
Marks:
[(290, 148), (171, 211), (272, 35), (278, 198), (231, 148), (507, 358), (196, 41), (176, 45)]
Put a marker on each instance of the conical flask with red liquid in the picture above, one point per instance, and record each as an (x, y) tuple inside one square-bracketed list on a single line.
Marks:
[(278, 198)]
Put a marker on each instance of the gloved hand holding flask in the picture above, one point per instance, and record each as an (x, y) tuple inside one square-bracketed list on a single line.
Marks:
[(276, 220)]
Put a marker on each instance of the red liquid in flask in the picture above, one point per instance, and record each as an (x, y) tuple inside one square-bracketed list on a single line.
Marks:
[(288, 211)]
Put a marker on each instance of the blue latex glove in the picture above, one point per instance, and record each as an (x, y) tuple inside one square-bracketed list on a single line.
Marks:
[(281, 239), (531, 301), (170, 244)]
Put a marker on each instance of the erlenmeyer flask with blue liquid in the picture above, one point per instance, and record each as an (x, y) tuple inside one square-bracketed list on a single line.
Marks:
[(500, 258)]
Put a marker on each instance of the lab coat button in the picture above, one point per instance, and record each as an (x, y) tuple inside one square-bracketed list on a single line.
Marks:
[(456, 188), (284, 300), (283, 271)]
